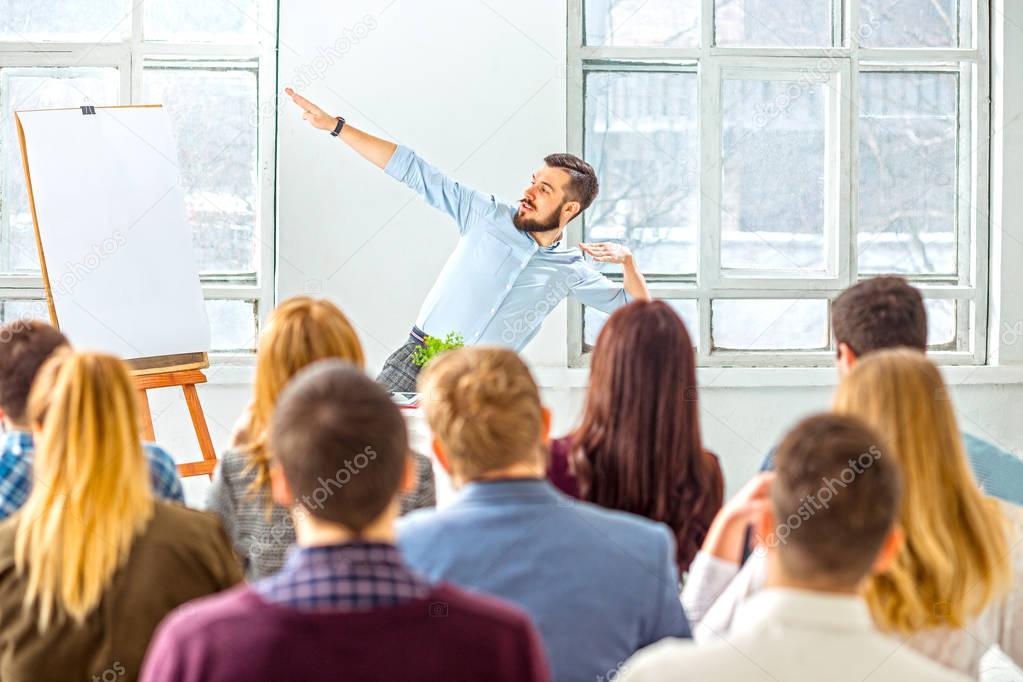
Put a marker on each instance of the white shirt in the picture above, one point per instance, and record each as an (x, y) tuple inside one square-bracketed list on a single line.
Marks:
[(715, 591), (783, 635)]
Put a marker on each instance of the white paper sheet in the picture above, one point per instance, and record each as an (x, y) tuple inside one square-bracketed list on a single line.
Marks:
[(111, 215)]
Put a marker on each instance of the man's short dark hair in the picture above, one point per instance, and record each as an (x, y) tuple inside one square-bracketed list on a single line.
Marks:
[(835, 497), (582, 185), (341, 443), (24, 346), (879, 313)]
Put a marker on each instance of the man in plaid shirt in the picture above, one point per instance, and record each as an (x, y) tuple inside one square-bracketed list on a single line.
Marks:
[(24, 346)]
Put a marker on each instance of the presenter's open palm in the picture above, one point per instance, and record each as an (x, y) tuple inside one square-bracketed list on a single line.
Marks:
[(316, 116), (607, 252)]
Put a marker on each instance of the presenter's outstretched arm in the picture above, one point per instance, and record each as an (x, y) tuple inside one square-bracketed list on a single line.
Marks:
[(632, 279), (373, 149)]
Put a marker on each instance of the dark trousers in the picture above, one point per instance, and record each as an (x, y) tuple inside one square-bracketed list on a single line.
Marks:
[(399, 373)]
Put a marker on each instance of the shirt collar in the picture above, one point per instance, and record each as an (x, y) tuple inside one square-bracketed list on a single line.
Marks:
[(343, 555), (18, 443), (532, 490), (804, 609)]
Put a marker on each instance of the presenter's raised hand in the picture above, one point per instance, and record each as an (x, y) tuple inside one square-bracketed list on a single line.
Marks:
[(316, 116), (607, 252)]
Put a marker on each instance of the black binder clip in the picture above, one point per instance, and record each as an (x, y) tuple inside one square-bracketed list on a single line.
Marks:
[(88, 109)]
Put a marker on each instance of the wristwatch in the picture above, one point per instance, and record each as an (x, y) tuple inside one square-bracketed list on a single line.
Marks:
[(338, 127)]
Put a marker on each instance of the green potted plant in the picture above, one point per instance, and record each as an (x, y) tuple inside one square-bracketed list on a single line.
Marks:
[(435, 346)]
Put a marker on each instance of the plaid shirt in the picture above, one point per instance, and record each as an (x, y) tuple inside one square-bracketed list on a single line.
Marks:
[(357, 576), (16, 472)]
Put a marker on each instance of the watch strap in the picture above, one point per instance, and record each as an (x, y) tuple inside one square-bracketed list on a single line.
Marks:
[(338, 127)]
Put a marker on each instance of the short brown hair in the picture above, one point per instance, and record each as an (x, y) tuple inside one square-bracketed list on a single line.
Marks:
[(484, 407), (24, 346), (877, 313), (582, 184), (341, 443), (835, 498)]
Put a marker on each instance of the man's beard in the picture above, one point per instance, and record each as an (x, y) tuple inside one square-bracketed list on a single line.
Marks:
[(524, 224)]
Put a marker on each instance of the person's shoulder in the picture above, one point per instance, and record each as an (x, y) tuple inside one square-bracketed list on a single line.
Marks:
[(235, 464), (183, 525), (487, 609), (663, 660), (199, 618)]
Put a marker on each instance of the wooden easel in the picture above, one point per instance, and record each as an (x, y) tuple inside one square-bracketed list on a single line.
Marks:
[(147, 373), (187, 376)]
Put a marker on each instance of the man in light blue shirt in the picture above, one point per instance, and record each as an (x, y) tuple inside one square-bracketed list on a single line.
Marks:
[(510, 267)]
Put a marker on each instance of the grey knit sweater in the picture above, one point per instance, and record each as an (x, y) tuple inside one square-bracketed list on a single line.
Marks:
[(262, 541)]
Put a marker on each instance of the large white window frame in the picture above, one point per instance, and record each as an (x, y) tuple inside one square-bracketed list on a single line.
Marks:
[(842, 66), (129, 56)]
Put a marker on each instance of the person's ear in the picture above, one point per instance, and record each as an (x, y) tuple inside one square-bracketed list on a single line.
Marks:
[(890, 549), (409, 477), (280, 490), (846, 358), (442, 456), (545, 425), (570, 210)]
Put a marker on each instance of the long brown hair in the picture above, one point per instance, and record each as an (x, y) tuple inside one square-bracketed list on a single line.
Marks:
[(638, 447), (957, 540), (300, 331)]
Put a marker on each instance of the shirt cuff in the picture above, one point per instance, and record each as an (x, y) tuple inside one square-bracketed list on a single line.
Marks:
[(708, 577), (398, 166)]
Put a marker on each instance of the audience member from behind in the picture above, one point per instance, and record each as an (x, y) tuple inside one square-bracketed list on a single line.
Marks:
[(638, 447), (809, 622), (92, 562), (24, 346), (886, 312), (956, 588), (300, 331), (345, 606), (599, 584)]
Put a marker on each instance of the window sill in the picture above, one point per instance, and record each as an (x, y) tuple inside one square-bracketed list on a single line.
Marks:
[(785, 377)]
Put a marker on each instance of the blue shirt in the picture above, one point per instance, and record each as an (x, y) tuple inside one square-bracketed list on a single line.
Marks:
[(16, 472), (357, 576), (499, 284), (599, 584)]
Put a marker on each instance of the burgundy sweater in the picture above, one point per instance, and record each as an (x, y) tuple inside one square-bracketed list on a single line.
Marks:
[(448, 635)]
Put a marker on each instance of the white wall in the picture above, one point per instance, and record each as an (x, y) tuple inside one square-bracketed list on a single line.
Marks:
[(479, 89)]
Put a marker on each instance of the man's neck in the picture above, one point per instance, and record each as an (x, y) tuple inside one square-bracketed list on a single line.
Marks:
[(10, 425), (777, 578), (516, 471), (313, 532), (547, 238)]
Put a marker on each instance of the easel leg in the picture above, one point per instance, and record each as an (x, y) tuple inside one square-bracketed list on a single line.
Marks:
[(202, 432), (147, 417)]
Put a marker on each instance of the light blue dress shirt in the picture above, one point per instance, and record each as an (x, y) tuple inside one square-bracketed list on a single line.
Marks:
[(498, 285)]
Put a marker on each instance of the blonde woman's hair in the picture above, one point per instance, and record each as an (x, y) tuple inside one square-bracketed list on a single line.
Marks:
[(484, 407), (91, 493), (956, 557), (300, 331)]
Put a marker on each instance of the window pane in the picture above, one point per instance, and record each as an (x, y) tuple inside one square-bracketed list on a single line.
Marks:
[(773, 23), (232, 324), (20, 309), (664, 23), (773, 175), (213, 107), (188, 21), (36, 88), (794, 324), (642, 139), (909, 23), (907, 173), (688, 310), (941, 323), (73, 20)]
